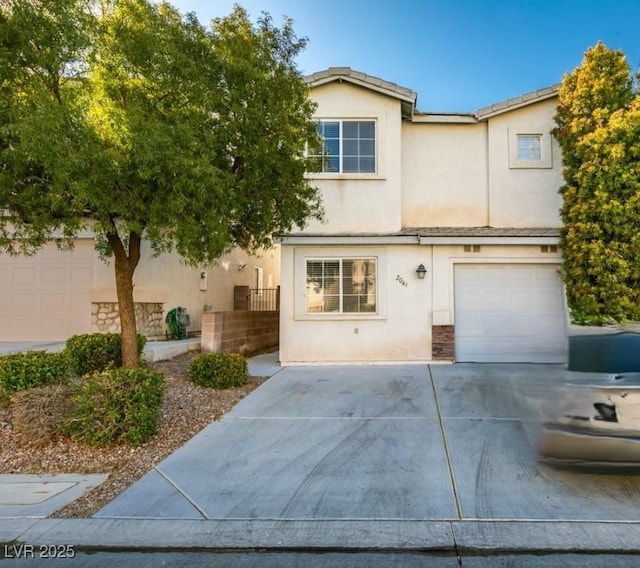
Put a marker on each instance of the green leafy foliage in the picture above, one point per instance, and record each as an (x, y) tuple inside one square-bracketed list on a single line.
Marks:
[(91, 352), (115, 406), (129, 119), (598, 129), (219, 370), (20, 371)]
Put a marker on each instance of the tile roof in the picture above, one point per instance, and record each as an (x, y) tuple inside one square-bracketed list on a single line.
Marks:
[(481, 231), (438, 234), (336, 73), (517, 102), (406, 96), (409, 97)]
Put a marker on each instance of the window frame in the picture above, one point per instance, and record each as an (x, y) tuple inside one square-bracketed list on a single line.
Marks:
[(516, 162), (528, 153), (341, 294), (341, 150)]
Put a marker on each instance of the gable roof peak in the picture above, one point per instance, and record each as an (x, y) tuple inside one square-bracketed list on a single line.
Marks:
[(517, 102), (406, 96)]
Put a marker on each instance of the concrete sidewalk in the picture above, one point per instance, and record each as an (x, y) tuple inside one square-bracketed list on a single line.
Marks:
[(153, 350), (390, 458)]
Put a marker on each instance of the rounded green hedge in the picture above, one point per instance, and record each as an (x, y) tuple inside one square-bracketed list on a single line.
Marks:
[(219, 370), (20, 371), (115, 406), (90, 352)]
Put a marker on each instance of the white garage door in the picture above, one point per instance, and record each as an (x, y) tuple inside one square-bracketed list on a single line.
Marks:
[(46, 297), (509, 313)]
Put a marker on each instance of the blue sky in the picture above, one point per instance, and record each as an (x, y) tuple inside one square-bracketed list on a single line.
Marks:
[(458, 55)]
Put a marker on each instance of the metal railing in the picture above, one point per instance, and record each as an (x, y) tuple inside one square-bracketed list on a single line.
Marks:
[(264, 299)]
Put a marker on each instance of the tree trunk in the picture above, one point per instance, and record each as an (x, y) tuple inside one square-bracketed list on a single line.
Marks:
[(125, 265)]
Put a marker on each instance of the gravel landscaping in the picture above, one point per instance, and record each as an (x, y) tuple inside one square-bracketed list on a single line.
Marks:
[(186, 410)]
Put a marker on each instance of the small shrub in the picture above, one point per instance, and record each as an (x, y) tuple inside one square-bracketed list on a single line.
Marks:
[(219, 370), (115, 406), (90, 352), (19, 371), (37, 413)]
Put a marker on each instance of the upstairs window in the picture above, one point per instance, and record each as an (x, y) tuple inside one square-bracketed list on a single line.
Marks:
[(529, 151), (529, 147), (341, 285), (349, 147)]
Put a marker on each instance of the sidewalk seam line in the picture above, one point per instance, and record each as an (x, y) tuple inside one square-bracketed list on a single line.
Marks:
[(456, 550), (189, 500), (447, 455)]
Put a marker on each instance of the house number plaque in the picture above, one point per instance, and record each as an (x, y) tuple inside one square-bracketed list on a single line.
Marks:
[(400, 280)]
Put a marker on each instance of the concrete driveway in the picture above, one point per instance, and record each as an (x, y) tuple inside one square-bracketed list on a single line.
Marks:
[(428, 456)]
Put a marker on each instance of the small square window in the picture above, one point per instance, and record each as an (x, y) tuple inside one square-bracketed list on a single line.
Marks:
[(529, 150), (529, 147)]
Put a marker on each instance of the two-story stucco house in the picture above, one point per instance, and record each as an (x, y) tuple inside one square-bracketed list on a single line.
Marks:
[(441, 232)]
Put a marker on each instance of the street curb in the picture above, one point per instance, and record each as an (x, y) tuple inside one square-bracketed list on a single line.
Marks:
[(166, 535), (434, 536), (546, 536)]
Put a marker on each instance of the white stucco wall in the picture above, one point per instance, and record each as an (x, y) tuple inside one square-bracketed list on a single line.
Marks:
[(361, 202), (524, 197), (165, 279), (444, 175), (464, 174), (400, 331)]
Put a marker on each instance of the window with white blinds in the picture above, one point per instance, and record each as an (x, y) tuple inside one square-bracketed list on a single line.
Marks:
[(341, 285)]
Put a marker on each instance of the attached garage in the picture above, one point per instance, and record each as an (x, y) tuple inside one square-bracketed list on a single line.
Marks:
[(46, 297), (509, 313)]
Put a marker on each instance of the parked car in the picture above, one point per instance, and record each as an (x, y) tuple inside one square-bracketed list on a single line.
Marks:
[(597, 426)]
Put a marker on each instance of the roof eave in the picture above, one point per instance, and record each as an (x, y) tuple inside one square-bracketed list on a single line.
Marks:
[(517, 102), (407, 97)]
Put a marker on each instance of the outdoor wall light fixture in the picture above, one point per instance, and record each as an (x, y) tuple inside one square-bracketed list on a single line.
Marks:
[(421, 271)]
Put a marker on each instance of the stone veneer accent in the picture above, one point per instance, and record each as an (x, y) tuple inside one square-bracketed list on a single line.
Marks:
[(443, 342), (105, 318)]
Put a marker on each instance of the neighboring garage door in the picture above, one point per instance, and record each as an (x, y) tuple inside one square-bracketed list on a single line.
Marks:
[(46, 297), (509, 313)]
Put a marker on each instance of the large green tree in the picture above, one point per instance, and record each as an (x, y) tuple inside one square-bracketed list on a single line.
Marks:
[(598, 128), (126, 118)]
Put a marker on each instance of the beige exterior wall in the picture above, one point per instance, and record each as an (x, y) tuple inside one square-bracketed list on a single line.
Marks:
[(439, 174), (362, 202), (167, 280), (399, 331), (444, 175), (402, 328), (524, 196), (457, 175), (55, 294)]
